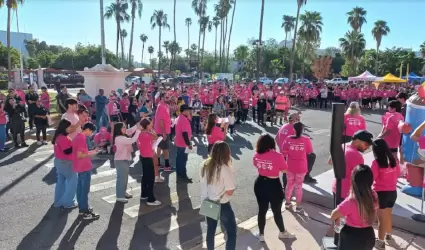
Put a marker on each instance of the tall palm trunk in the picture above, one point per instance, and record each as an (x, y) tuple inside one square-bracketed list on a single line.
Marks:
[(122, 52), (131, 42), (199, 44), (118, 37), (159, 59), (174, 21), (143, 51), (291, 64), (377, 61), (230, 35), (224, 43), (221, 39), (9, 58), (286, 37), (215, 46), (202, 55), (259, 41), (188, 41)]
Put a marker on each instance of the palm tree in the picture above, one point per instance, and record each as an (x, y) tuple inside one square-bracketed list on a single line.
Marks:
[(124, 35), (222, 11), (188, 22), (200, 7), (300, 3), (422, 47), (356, 18), (143, 38), (136, 8), (288, 24), (230, 32), (159, 18), (216, 23), (150, 51), (166, 45), (260, 42), (11, 4), (118, 11), (204, 26), (381, 29), (175, 49), (311, 26), (174, 20), (353, 45)]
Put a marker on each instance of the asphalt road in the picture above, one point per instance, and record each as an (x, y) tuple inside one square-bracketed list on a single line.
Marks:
[(27, 185)]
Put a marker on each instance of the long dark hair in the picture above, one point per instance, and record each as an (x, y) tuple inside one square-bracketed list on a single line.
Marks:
[(117, 131), (361, 191), (299, 129), (210, 123), (61, 129), (382, 153)]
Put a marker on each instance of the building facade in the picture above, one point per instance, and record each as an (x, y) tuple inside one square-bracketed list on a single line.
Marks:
[(17, 40)]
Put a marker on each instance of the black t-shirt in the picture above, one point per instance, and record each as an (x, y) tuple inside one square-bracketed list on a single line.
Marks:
[(42, 112)]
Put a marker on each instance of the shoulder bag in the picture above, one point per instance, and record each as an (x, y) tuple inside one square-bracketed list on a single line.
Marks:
[(210, 208)]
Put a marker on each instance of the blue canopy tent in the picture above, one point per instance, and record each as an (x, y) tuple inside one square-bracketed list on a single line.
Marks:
[(412, 77)]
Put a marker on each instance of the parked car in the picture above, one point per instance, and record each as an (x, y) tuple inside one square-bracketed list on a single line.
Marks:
[(336, 81), (302, 81), (265, 80), (281, 80)]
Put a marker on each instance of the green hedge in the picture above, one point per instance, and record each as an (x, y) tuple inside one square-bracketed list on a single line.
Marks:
[(3, 84)]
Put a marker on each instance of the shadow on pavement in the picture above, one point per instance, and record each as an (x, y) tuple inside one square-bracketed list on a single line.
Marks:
[(25, 154), (74, 231), (48, 230), (109, 239)]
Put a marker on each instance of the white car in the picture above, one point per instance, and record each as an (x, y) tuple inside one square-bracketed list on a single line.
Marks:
[(281, 80), (303, 81), (265, 80), (337, 81)]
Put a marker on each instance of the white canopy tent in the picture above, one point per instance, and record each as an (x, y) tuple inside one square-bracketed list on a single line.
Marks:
[(365, 76)]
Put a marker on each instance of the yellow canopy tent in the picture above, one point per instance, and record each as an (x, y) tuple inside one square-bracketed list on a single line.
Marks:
[(391, 78)]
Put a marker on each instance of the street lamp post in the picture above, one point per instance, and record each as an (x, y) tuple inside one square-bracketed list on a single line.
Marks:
[(258, 44)]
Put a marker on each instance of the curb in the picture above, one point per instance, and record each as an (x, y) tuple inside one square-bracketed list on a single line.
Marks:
[(399, 222)]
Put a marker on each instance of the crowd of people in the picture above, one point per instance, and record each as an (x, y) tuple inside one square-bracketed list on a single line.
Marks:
[(152, 119)]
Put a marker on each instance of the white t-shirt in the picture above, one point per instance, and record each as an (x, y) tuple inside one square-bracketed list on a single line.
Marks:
[(269, 93), (215, 190), (323, 93), (73, 119)]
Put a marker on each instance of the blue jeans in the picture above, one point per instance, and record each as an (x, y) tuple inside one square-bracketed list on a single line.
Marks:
[(227, 218), (66, 183), (123, 168), (196, 120), (101, 120), (2, 136), (83, 189), (181, 160)]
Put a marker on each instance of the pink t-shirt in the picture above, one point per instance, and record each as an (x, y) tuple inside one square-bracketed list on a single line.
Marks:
[(45, 100), (124, 103), (144, 142), (216, 135), (353, 158), (284, 131), (269, 164), (296, 151), (353, 123), (162, 114), (79, 144), (393, 139), (3, 119), (385, 179), (62, 143), (102, 137), (73, 119), (349, 209), (182, 125)]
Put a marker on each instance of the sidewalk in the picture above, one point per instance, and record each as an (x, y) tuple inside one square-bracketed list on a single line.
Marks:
[(309, 230)]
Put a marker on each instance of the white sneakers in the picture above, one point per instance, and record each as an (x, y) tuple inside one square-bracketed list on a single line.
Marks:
[(154, 203), (282, 235), (159, 179)]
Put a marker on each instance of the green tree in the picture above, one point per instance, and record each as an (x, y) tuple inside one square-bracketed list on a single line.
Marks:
[(188, 23), (380, 30), (216, 23), (288, 24), (356, 18), (200, 8), (143, 38), (4, 54), (136, 10), (166, 45), (11, 5), (422, 48), (118, 11), (150, 51), (353, 45), (159, 19), (300, 3)]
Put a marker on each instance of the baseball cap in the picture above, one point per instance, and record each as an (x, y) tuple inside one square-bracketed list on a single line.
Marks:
[(363, 135), (185, 107)]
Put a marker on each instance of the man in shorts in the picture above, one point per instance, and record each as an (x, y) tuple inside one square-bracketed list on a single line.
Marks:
[(162, 126)]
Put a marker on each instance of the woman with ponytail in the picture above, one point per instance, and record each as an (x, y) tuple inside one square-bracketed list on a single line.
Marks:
[(386, 171), (359, 210), (296, 148)]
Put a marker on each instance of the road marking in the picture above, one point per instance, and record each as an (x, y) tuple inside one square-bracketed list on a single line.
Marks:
[(320, 131), (108, 184), (111, 172), (180, 219), (112, 198), (137, 210)]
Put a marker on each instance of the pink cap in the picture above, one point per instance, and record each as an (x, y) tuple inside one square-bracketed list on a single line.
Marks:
[(103, 130)]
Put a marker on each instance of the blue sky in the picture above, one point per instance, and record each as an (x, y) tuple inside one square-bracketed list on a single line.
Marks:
[(70, 21)]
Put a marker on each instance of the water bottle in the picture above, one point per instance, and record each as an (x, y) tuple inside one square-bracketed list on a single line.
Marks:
[(338, 226)]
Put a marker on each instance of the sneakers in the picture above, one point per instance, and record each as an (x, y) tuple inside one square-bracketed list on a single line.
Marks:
[(389, 238), (90, 216), (128, 196), (380, 244), (286, 235), (298, 209), (45, 143), (261, 238), (39, 143), (159, 179), (288, 205), (154, 203), (24, 145), (168, 169)]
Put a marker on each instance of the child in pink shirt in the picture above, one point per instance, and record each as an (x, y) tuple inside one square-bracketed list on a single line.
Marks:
[(390, 131), (103, 140), (82, 165), (214, 133), (359, 210), (296, 148), (45, 98)]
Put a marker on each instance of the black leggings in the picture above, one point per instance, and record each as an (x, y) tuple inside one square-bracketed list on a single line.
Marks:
[(269, 191), (352, 238), (148, 179), (40, 129), (18, 129)]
